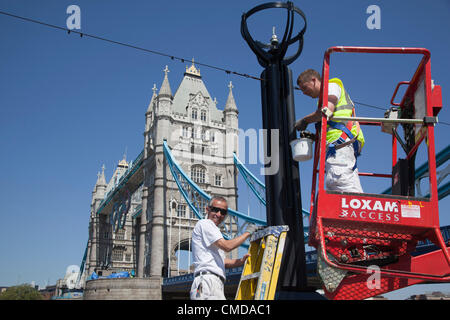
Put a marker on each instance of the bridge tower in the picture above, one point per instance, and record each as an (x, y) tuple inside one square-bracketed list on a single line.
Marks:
[(202, 139), (111, 249), (98, 195)]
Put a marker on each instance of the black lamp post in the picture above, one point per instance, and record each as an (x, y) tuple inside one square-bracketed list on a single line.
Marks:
[(283, 198)]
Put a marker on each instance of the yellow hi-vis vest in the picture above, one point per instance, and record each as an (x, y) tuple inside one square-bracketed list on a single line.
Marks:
[(344, 108)]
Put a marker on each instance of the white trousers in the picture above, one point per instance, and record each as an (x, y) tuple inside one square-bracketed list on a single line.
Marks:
[(207, 287), (339, 173)]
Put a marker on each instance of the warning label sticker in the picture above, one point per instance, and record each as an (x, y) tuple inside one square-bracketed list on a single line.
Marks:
[(410, 211)]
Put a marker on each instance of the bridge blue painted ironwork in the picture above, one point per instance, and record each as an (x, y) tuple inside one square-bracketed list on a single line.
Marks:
[(421, 172), (257, 187), (136, 164), (197, 199)]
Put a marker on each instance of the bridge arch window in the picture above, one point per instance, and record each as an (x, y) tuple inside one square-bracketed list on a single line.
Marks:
[(218, 180), (204, 135), (203, 115), (201, 209), (181, 210), (185, 132), (120, 235), (198, 174), (117, 254), (194, 114)]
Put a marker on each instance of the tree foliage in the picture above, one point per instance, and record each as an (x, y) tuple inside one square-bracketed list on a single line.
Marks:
[(21, 292)]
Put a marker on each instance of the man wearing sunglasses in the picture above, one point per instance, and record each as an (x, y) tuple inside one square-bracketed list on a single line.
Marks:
[(208, 251)]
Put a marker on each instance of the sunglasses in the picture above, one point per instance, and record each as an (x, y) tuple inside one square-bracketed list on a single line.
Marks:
[(223, 212)]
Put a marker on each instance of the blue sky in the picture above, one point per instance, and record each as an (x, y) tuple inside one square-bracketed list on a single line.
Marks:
[(70, 104)]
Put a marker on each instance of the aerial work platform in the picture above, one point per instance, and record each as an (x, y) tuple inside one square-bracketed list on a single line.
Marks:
[(365, 241)]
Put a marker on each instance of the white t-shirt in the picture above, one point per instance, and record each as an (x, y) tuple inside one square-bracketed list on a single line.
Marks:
[(206, 255), (334, 90)]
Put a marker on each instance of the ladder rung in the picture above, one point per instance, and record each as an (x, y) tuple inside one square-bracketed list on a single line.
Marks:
[(251, 276)]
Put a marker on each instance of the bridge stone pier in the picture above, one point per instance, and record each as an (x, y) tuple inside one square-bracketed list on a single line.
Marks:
[(123, 289)]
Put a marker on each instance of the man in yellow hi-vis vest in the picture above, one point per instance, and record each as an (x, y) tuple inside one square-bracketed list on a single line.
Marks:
[(344, 139)]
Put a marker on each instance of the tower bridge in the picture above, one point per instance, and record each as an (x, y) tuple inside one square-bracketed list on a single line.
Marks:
[(139, 220), (145, 214)]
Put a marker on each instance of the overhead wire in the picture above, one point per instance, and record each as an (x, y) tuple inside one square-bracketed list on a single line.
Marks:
[(172, 57), (370, 106)]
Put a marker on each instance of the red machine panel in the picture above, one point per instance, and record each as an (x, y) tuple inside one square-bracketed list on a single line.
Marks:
[(354, 232)]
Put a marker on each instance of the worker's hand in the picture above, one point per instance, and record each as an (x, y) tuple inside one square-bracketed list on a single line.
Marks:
[(327, 112), (245, 258), (240, 262), (301, 125), (252, 228)]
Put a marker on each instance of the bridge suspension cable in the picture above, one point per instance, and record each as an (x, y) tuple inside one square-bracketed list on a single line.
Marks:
[(197, 199), (257, 187)]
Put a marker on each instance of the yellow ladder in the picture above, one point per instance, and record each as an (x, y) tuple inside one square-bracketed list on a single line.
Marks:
[(260, 273)]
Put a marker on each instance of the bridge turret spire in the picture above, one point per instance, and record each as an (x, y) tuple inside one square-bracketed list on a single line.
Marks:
[(101, 181), (165, 87), (152, 100), (230, 104)]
